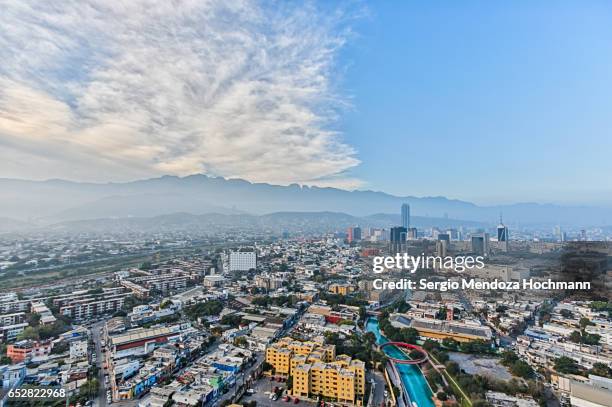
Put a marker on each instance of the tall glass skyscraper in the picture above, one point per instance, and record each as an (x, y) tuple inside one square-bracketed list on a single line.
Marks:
[(406, 216)]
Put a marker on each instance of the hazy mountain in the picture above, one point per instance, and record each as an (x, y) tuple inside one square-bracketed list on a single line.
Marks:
[(58, 200), (302, 222)]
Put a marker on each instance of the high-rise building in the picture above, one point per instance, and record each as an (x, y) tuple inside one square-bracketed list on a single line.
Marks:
[(444, 236), (243, 260), (441, 247), (480, 243), (397, 239), (353, 234), (502, 234), (405, 216)]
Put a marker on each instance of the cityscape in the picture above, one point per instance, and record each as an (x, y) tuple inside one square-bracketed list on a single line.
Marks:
[(321, 203), (275, 318)]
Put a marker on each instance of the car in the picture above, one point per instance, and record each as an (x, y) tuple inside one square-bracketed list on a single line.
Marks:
[(272, 395), (275, 397), (296, 400), (250, 391), (287, 398)]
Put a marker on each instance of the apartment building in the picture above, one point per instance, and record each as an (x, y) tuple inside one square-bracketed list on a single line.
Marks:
[(86, 308), (12, 306), (341, 289), (317, 371), (12, 319)]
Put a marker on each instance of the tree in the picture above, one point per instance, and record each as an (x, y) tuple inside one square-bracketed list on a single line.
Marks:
[(566, 365), (599, 369), (33, 319), (522, 369), (213, 307), (442, 396), (450, 343), (575, 337), (60, 347), (590, 339), (5, 360), (430, 345), (584, 322), (508, 358), (565, 313), (29, 333)]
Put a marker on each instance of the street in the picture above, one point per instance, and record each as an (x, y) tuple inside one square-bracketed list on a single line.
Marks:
[(100, 400)]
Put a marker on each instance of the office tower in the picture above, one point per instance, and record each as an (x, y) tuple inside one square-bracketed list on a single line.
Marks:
[(502, 234), (441, 248), (397, 239), (353, 234), (444, 236), (412, 234), (453, 234), (405, 216), (480, 244), (243, 260)]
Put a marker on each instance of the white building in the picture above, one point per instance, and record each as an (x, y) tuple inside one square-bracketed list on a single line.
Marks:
[(242, 260)]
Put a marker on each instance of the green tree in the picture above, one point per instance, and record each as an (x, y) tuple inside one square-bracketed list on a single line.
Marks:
[(566, 365), (522, 369), (599, 369), (450, 343), (29, 333), (584, 322), (575, 337)]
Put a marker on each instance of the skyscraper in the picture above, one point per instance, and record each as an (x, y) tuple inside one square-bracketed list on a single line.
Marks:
[(406, 216), (354, 234), (480, 243), (397, 239), (502, 234)]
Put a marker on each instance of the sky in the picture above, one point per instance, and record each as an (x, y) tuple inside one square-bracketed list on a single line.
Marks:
[(491, 102)]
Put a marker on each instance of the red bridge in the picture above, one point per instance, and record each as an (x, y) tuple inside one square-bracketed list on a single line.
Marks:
[(406, 346)]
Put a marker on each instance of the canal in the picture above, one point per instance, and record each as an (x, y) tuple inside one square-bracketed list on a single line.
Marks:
[(411, 376)]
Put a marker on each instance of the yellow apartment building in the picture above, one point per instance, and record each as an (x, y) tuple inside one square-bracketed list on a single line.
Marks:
[(317, 371), (342, 289)]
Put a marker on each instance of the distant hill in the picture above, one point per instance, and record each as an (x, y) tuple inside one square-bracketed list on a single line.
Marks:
[(55, 201), (294, 222)]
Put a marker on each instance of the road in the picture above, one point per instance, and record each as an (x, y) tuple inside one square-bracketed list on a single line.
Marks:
[(242, 379), (100, 400), (377, 394)]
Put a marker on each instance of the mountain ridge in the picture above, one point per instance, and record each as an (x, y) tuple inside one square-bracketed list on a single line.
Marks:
[(56, 200)]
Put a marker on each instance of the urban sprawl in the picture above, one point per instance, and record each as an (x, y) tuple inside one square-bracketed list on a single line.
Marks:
[(266, 318)]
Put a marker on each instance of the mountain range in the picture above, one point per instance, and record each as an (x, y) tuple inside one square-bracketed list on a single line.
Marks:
[(54, 201)]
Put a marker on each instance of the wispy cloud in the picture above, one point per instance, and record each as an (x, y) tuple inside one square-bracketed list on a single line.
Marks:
[(116, 90)]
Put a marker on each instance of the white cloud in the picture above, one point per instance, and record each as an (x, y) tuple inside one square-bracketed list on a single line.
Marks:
[(104, 90)]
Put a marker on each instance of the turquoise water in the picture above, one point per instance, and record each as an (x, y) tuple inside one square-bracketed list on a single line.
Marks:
[(412, 378)]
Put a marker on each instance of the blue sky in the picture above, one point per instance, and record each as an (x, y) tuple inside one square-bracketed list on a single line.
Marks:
[(492, 102), (486, 101)]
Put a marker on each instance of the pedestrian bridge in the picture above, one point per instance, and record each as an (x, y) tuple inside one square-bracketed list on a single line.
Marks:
[(404, 345)]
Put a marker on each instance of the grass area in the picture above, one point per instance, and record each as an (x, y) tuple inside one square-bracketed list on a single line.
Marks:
[(465, 400)]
